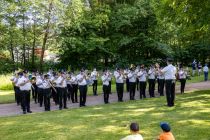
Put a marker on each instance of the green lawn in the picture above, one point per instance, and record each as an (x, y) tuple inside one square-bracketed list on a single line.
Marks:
[(7, 96), (189, 120)]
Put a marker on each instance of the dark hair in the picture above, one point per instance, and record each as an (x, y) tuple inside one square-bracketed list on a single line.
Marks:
[(134, 127)]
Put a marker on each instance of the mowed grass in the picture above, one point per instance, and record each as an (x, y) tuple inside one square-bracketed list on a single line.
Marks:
[(189, 120), (7, 97)]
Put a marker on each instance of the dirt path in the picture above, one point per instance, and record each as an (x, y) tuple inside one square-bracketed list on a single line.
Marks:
[(13, 110)]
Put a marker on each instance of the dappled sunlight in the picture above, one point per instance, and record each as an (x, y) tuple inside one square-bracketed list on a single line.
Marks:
[(110, 128), (94, 115)]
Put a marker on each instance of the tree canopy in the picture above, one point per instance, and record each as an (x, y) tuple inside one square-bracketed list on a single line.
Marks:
[(104, 33)]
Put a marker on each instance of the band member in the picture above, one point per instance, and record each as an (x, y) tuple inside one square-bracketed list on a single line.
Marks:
[(182, 77), (82, 87), (54, 92), (34, 87), (119, 84), (126, 71), (69, 87), (137, 79), (151, 80), (62, 90), (161, 82), (75, 88), (170, 79), (94, 77), (142, 75), (105, 80), (14, 80), (39, 83), (25, 88), (46, 92), (110, 81), (132, 82)]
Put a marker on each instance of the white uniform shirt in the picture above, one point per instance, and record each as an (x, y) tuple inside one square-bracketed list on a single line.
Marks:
[(132, 77), (151, 74), (81, 80), (142, 76), (27, 86), (14, 79), (94, 75), (133, 137), (182, 74), (105, 80), (205, 69), (169, 72), (46, 84), (118, 77), (39, 82), (161, 76), (73, 80), (59, 82)]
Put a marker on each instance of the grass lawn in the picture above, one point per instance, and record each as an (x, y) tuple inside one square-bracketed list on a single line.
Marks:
[(189, 120), (7, 96)]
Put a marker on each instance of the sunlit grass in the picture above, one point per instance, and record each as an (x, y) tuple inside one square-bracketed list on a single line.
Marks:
[(189, 120)]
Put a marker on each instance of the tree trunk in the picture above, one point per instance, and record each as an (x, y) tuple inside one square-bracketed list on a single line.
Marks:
[(45, 36), (34, 44), (24, 43)]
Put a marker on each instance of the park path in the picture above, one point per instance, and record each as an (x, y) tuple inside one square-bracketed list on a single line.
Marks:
[(13, 110)]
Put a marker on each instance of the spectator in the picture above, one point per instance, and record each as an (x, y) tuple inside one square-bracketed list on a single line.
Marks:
[(199, 68), (134, 129), (206, 71), (166, 134), (194, 64)]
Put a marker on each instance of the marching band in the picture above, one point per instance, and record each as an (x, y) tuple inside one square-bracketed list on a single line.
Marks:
[(63, 86)]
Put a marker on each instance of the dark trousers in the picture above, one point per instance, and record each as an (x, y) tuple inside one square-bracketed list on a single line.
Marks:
[(152, 87), (55, 95), (83, 94), (161, 86), (132, 87), (106, 93), (142, 86), (183, 82), (62, 94), (170, 92), (75, 91), (95, 84), (137, 84), (70, 92), (110, 87), (34, 92), (25, 100), (205, 76), (120, 89), (127, 85), (40, 96), (17, 95), (47, 94), (158, 81)]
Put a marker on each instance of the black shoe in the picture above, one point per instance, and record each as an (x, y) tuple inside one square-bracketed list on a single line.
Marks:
[(60, 108), (24, 112), (29, 111), (65, 107)]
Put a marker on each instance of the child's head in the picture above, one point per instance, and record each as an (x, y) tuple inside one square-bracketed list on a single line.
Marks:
[(134, 127), (165, 127)]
